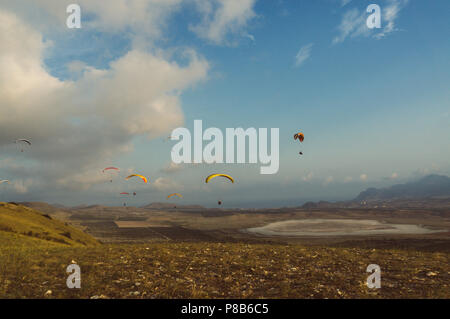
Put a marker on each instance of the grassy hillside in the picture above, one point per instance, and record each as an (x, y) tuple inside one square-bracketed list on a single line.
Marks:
[(18, 219)]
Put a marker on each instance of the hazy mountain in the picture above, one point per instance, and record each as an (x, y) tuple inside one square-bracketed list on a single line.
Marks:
[(428, 186)]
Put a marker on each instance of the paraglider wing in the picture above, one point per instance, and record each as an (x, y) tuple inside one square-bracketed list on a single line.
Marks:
[(137, 175), (300, 136), (4, 181), (23, 140), (175, 194), (111, 168), (210, 177), (124, 193)]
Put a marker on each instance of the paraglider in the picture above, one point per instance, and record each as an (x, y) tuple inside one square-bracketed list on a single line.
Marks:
[(4, 181), (301, 137), (210, 177), (134, 193), (22, 141), (125, 194), (175, 194), (111, 168), (137, 175)]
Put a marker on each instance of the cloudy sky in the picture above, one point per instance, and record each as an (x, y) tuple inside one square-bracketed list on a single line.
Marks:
[(374, 104)]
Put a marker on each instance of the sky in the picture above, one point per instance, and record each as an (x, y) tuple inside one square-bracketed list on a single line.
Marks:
[(374, 104)]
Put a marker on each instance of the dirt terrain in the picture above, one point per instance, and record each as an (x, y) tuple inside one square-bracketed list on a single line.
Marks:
[(139, 225), (201, 253)]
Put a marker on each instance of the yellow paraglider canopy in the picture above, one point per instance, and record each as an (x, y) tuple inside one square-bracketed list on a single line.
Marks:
[(217, 175)]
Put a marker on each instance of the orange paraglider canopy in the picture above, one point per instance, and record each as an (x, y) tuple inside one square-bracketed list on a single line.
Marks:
[(137, 175), (300, 136)]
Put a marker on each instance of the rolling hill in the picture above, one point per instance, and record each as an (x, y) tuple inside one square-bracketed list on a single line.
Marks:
[(16, 219)]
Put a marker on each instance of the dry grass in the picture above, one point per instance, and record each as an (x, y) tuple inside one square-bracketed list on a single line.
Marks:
[(23, 220), (30, 267), (35, 251)]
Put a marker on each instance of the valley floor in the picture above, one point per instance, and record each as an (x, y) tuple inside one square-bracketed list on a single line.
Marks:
[(35, 268)]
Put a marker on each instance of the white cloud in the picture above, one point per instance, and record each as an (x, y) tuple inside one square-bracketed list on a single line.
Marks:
[(172, 168), (249, 36), (165, 184), (21, 186), (303, 54), (223, 17), (353, 23), (143, 20), (145, 17), (83, 180), (389, 15), (78, 125)]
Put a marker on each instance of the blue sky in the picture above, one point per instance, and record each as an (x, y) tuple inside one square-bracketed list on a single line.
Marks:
[(374, 110)]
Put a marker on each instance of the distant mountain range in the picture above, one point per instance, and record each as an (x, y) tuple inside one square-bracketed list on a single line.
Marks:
[(426, 187), (431, 190)]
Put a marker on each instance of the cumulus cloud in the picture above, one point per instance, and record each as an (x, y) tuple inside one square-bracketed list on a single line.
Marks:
[(21, 186), (223, 17), (353, 22), (172, 168), (145, 17), (165, 184), (78, 125), (303, 54), (82, 180)]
